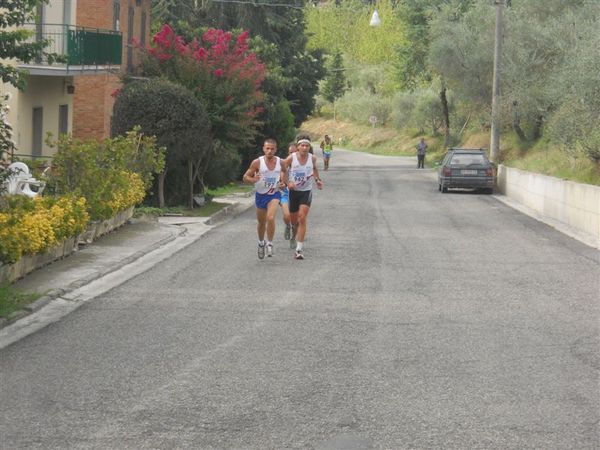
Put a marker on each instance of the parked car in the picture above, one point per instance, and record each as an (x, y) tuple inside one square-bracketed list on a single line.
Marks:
[(466, 168)]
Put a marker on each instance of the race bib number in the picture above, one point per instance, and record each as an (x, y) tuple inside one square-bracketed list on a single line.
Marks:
[(270, 182), (299, 176)]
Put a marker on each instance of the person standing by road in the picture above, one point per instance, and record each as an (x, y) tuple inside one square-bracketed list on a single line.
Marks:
[(327, 150), (285, 200), (266, 173), (302, 173), (421, 150)]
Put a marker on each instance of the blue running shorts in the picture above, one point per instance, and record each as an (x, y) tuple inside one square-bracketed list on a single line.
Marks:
[(262, 200)]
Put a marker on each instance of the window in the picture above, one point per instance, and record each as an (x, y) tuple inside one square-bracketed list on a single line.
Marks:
[(467, 159), (63, 119), (117, 15), (38, 128)]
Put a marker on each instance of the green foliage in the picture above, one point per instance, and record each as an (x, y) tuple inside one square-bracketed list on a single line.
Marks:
[(12, 300), (334, 84), (7, 145), (15, 41), (102, 171), (359, 104), (172, 114), (344, 27)]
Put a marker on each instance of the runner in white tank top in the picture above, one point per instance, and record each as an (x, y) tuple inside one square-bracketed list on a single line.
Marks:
[(269, 179), (268, 176), (303, 173)]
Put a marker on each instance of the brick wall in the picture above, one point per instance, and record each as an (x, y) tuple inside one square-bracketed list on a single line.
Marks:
[(93, 102), (92, 105), (95, 13)]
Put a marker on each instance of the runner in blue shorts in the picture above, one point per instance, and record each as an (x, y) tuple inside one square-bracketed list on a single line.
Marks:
[(265, 173)]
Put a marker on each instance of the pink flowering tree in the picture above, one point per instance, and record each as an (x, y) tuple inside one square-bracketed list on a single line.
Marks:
[(221, 71)]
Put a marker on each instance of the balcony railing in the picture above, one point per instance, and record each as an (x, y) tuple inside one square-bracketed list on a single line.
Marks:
[(81, 46)]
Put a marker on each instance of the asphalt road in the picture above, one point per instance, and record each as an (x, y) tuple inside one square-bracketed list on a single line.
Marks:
[(419, 320)]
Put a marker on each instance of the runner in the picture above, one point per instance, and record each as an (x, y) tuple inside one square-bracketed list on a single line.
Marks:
[(285, 199), (302, 171), (266, 174), (327, 150)]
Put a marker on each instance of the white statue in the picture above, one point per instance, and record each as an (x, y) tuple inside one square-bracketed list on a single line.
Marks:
[(22, 182)]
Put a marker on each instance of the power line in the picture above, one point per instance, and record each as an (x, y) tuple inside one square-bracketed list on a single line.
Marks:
[(246, 2)]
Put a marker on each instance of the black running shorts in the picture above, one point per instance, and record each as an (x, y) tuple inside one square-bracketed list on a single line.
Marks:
[(298, 198)]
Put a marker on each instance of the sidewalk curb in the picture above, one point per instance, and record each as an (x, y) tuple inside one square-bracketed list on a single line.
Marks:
[(48, 297), (220, 217)]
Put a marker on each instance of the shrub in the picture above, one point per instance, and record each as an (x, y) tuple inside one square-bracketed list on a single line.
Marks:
[(112, 175), (30, 226), (358, 105), (173, 115)]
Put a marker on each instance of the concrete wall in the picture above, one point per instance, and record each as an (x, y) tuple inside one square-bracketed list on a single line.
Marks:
[(574, 204)]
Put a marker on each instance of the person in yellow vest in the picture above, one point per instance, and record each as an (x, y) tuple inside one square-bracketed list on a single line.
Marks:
[(327, 150)]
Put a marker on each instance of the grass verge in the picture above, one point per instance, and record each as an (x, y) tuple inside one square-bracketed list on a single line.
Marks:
[(537, 157), (12, 300), (211, 207)]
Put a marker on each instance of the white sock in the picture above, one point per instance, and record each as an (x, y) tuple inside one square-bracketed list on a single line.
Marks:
[(270, 243), (298, 246), (261, 243)]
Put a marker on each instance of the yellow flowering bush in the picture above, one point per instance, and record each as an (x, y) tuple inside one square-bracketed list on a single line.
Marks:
[(112, 175), (131, 193), (30, 226)]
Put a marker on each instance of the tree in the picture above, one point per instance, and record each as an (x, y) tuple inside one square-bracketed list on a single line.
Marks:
[(334, 84), (221, 71), (14, 40), (282, 28), (177, 119)]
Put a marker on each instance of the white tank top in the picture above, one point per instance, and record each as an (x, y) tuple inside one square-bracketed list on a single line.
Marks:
[(269, 179), (302, 175)]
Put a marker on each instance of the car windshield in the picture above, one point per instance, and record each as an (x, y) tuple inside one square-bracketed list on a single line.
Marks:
[(467, 159)]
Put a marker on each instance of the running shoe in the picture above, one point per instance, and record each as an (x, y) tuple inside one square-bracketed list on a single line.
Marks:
[(287, 233), (292, 243), (261, 251), (298, 255), (269, 250)]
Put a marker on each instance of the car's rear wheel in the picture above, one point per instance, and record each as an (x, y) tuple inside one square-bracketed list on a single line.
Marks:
[(439, 187), (444, 189)]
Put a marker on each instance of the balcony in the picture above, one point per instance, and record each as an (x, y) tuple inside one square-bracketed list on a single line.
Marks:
[(86, 49)]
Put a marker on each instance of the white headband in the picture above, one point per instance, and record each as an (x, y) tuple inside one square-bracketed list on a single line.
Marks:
[(304, 141)]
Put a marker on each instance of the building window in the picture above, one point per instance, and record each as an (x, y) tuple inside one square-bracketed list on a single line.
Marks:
[(63, 119), (143, 30), (138, 2), (38, 128), (117, 15)]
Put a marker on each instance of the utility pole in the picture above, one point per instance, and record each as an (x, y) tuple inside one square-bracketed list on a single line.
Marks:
[(495, 132)]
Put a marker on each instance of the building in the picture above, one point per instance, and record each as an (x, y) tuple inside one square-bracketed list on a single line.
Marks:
[(75, 97)]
